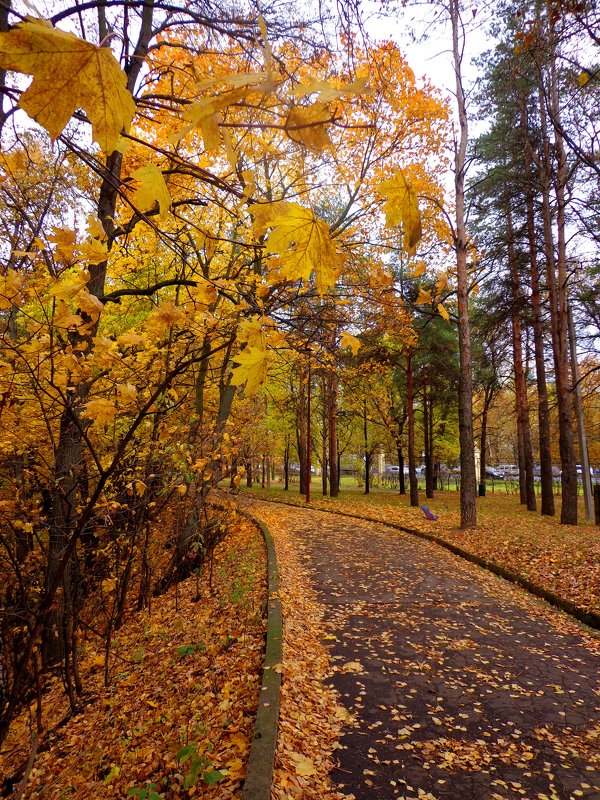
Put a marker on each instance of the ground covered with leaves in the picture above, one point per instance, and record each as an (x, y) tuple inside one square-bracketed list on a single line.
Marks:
[(311, 716), (177, 716), (562, 559)]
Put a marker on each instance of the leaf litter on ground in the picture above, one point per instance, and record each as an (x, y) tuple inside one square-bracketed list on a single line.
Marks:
[(178, 715)]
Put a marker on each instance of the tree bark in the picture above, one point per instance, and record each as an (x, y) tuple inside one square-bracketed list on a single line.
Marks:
[(468, 481), (526, 481), (412, 474), (556, 275), (334, 478), (538, 331)]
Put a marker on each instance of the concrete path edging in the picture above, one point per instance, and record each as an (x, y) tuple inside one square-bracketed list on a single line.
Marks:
[(261, 761)]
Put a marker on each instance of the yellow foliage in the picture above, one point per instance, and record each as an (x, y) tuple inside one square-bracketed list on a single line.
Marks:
[(443, 312), (424, 297), (151, 189), (402, 207), (301, 241), (327, 91), (68, 73), (100, 411), (11, 285), (307, 125), (251, 370), (347, 340)]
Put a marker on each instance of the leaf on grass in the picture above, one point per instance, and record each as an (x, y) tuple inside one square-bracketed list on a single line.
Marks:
[(301, 241), (402, 207), (68, 73), (151, 190)]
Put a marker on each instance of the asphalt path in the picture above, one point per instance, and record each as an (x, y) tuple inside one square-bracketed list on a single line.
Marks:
[(462, 686)]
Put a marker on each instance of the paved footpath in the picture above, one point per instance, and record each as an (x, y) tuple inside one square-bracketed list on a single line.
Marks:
[(463, 687)]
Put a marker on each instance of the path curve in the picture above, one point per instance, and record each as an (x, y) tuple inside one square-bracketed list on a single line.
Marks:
[(463, 687)]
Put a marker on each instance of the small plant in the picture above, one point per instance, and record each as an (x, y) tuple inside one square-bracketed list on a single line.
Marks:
[(198, 767), (145, 792), (189, 649)]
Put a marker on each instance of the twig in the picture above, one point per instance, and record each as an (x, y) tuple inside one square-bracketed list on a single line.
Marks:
[(24, 780)]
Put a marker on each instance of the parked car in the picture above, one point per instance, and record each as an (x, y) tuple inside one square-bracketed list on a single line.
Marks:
[(493, 472), (509, 470), (392, 470)]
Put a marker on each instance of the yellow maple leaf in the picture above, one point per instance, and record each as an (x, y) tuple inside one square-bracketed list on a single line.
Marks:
[(11, 285), (90, 304), (443, 312), (301, 242), (68, 73), (94, 251), (327, 91), (583, 77), (347, 340), (423, 298), (95, 228), (204, 293), (303, 765), (307, 125), (71, 285), (100, 411), (251, 370), (205, 115), (418, 269), (152, 189), (402, 207), (252, 331), (442, 282)]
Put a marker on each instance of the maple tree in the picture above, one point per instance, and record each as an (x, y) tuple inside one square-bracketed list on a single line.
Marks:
[(203, 161)]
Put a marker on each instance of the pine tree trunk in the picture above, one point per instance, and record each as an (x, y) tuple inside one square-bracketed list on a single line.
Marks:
[(556, 280), (412, 474), (334, 478), (526, 480), (468, 480)]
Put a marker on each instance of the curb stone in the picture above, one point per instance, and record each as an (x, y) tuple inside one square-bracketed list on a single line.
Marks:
[(589, 618), (261, 761)]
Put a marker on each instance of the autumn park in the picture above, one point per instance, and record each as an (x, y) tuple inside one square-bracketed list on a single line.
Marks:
[(299, 400)]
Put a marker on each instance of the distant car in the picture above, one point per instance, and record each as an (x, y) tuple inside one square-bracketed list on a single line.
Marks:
[(392, 470), (492, 472), (509, 470)]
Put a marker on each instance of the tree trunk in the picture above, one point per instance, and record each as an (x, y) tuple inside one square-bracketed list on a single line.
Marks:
[(556, 275), (301, 434), (538, 331), (412, 474), (324, 433), (428, 445), (286, 466), (526, 481), (367, 451), (334, 479), (402, 482), (468, 481)]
